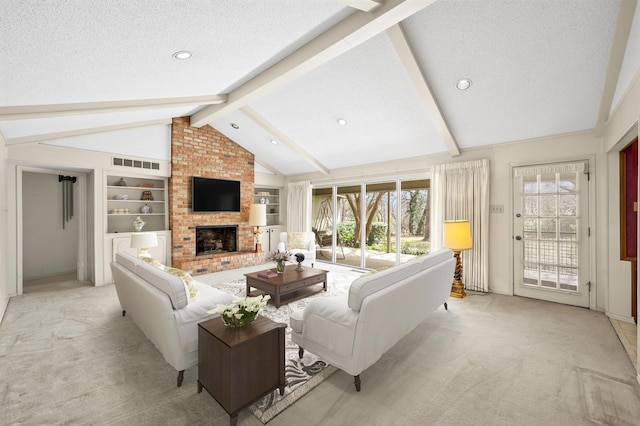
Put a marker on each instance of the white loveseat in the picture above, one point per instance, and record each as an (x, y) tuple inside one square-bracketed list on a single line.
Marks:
[(352, 331), (299, 242), (159, 304)]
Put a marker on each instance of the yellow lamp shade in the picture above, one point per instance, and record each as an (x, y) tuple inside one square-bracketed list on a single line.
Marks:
[(457, 234)]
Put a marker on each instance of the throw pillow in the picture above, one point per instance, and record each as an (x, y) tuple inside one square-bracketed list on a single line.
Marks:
[(187, 279), (152, 261), (296, 240)]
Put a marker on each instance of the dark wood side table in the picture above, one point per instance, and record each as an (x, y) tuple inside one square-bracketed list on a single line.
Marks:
[(238, 366)]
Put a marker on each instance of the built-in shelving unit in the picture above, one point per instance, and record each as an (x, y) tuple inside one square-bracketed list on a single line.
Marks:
[(128, 197), (270, 197)]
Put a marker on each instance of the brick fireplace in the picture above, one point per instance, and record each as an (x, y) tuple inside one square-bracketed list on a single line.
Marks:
[(207, 153)]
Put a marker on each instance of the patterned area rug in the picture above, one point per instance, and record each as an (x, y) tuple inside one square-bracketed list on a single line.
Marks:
[(302, 374)]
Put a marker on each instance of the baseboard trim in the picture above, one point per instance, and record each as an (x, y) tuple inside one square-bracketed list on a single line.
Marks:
[(505, 293), (624, 318)]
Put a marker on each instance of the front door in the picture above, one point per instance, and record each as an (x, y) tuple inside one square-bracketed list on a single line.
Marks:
[(551, 229)]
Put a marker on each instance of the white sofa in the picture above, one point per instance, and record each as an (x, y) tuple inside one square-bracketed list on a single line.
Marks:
[(159, 304), (352, 331), (299, 242)]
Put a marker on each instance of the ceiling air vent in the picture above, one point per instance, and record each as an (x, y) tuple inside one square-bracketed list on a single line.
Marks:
[(128, 162)]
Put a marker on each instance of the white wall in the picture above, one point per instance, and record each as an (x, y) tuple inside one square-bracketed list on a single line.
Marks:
[(4, 293), (47, 248)]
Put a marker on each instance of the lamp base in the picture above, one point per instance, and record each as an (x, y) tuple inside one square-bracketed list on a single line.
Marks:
[(258, 236), (457, 289)]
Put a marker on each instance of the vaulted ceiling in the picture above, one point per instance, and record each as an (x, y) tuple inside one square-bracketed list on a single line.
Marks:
[(288, 70)]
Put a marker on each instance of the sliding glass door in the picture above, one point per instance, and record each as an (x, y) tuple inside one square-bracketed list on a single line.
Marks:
[(372, 225)]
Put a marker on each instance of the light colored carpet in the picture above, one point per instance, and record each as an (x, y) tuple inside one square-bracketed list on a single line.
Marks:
[(68, 357)]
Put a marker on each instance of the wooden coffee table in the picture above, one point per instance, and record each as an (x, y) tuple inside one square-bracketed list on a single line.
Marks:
[(288, 286)]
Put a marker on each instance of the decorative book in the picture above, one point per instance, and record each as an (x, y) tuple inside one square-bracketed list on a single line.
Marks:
[(267, 274)]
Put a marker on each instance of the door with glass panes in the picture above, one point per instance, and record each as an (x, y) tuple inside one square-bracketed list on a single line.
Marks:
[(551, 231)]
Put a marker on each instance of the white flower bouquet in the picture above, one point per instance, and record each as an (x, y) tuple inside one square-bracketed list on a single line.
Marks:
[(241, 311)]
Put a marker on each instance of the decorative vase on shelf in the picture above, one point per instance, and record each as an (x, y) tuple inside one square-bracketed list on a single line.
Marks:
[(138, 224), (145, 209), (121, 182), (280, 266)]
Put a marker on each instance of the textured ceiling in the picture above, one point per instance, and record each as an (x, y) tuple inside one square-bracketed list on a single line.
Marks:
[(288, 69)]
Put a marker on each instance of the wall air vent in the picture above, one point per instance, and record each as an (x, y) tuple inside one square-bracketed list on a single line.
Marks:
[(128, 162)]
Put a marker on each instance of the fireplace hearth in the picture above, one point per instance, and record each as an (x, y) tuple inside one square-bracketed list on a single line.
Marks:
[(216, 239)]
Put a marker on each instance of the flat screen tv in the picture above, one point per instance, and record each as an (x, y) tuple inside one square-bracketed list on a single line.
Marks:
[(215, 195)]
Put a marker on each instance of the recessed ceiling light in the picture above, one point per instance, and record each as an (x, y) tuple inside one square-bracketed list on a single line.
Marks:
[(235, 126), (182, 54), (273, 141), (342, 121), (463, 84)]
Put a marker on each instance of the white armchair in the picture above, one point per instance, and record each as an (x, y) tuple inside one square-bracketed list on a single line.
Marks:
[(299, 242)]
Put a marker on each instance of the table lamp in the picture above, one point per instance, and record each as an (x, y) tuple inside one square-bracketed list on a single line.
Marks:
[(457, 237), (142, 241), (258, 218)]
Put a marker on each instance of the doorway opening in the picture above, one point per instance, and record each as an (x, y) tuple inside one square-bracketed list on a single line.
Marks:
[(52, 230)]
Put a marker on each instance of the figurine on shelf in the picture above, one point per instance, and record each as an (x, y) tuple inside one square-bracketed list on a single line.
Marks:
[(145, 209), (138, 224)]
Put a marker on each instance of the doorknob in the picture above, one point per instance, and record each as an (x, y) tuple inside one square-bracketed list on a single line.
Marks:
[(518, 237)]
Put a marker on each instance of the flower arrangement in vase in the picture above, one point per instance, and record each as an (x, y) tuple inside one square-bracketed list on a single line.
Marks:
[(280, 257), (241, 311)]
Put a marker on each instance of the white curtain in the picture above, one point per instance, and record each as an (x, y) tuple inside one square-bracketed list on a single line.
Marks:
[(460, 191), (299, 206)]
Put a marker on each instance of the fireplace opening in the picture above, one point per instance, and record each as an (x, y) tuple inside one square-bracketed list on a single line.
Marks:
[(216, 239)]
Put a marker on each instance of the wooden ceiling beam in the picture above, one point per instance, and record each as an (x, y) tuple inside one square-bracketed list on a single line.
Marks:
[(349, 33), (26, 112), (420, 83), (43, 137), (284, 139)]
